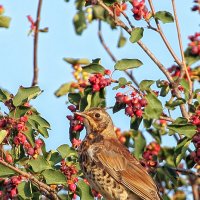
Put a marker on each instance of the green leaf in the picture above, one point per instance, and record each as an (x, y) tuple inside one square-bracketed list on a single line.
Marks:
[(93, 68), (127, 64), (19, 111), (85, 191), (118, 106), (122, 82), (171, 173), (5, 21), (121, 41), (43, 131), (66, 151), (180, 150), (39, 164), (25, 94), (136, 34), (5, 171), (98, 99), (139, 144), (146, 84), (80, 61), (40, 121), (191, 58), (24, 190), (187, 130), (63, 89), (3, 134), (79, 22), (153, 110), (74, 98), (164, 17), (29, 133), (184, 83), (4, 95), (174, 103), (54, 177), (135, 123)]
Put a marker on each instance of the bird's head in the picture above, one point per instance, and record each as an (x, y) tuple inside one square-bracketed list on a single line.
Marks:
[(98, 120)]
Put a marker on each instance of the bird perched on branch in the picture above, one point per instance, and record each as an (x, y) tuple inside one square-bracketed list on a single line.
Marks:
[(107, 164)]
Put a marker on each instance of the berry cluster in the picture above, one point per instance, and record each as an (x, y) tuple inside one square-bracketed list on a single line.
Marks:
[(134, 104), (150, 155), (76, 121), (10, 188), (118, 8), (197, 6), (140, 10), (195, 44), (176, 71), (70, 172), (195, 119), (81, 77), (98, 81)]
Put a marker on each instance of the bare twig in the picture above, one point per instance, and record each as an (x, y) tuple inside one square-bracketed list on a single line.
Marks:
[(187, 171), (129, 74), (35, 46), (182, 52), (163, 36), (41, 186), (149, 53)]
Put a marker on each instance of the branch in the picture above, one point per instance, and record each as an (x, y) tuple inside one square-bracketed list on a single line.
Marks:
[(182, 52), (41, 186), (159, 30), (186, 171), (120, 23), (130, 75), (35, 46)]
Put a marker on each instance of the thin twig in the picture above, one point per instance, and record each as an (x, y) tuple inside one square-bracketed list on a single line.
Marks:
[(163, 36), (186, 171), (35, 45), (182, 52), (128, 20), (41, 186), (149, 53), (129, 74)]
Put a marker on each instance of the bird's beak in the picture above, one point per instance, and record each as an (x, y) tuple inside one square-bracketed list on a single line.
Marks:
[(82, 114)]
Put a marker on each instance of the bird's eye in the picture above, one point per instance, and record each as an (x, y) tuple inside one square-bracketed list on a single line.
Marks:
[(97, 115)]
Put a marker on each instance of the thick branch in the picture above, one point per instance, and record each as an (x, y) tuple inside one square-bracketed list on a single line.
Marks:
[(35, 46), (42, 186)]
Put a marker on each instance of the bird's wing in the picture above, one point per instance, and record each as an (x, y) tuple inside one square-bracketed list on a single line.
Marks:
[(122, 166)]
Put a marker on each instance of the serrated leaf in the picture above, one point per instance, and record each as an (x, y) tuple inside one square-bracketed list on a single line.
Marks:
[(187, 130), (25, 94), (136, 34), (80, 61), (3, 134), (65, 151), (125, 64), (164, 17), (54, 177), (39, 164), (6, 171), (74, 98), (180, 150), (5, 21), (153, 110), (43, 131), (84, 190), (146, 84), (93, 68), (63, 89), (79, 22), (24, 190)]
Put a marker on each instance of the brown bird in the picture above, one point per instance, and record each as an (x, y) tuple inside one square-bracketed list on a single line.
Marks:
[(107, 164)]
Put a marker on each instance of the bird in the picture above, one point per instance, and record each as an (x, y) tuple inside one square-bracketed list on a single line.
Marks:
[(108, 165)]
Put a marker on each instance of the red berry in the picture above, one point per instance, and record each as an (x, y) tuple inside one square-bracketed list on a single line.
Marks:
[(72, 187), (72, 108), (138, 113), (107, 72), (129, 111)]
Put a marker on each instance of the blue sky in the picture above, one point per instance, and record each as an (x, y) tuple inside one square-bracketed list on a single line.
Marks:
[(16, 54)]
